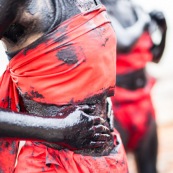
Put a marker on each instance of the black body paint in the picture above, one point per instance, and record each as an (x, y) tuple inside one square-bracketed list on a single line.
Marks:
[(68, 55)]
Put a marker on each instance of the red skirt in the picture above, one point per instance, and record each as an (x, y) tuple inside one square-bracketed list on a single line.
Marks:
[(134, 112)]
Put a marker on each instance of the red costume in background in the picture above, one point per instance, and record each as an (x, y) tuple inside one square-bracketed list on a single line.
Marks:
[(62, 68), (133, 109)]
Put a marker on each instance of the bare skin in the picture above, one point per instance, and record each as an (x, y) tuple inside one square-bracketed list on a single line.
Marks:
[(28, 21), (130, 22)]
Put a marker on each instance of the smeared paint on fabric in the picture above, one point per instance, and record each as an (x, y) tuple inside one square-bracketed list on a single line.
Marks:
[(70, 69), (9, 101)]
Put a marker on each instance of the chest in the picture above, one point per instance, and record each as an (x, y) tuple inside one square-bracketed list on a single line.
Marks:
[(35, 18)]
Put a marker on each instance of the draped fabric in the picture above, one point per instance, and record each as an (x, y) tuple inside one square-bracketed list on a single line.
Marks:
[(137, 58), (69, 64)]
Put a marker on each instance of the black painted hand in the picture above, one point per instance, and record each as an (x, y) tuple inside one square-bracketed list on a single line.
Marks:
[(159, 18), (84, 131)]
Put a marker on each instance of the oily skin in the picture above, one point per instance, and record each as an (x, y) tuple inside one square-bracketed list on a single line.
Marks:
[(30, 19), (129, 22)]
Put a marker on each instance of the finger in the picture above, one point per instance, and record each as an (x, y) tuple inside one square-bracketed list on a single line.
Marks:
[(96, 144), (83, 107), (87, 109), (101, 137), (98, 120), (100, 129)]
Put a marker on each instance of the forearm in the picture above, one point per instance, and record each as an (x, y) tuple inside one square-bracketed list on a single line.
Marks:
[(158, 23), (157, 50), (76, 130), (26, 127)]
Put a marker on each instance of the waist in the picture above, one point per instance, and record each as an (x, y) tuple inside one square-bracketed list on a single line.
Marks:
[(98, 108), (133, 80)]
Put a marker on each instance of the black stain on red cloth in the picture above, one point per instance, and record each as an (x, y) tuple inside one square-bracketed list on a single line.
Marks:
[(7, 102), (33, 94), (13, 149), (68, 55), (105, 41)]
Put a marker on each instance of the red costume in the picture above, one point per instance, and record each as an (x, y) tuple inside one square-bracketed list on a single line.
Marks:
[(133, 108), (63, 68)]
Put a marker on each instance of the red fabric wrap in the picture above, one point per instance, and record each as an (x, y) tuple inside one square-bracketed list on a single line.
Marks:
[(134, 109), (137, 57), (65, 67), (135, 116), (61, 68), (9, 101)]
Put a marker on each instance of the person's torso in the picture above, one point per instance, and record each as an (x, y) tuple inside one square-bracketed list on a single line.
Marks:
[(37, 23)]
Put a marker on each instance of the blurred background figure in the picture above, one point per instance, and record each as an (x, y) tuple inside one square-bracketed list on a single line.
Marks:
[(132, 104)]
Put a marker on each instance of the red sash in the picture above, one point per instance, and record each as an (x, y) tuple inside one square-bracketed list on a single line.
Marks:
[(137, 57)]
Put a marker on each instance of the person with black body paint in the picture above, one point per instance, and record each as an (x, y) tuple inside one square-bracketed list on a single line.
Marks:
[(48, 82), (133, 110)]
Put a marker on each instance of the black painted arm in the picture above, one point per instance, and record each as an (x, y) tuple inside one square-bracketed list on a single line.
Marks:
[(77, 130), (158, 49)]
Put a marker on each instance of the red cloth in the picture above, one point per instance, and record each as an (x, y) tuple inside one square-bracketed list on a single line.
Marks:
[(64, 67), (133, 110), (8, 148), (137, 57), (39, 158), (134, 115)]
